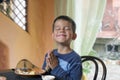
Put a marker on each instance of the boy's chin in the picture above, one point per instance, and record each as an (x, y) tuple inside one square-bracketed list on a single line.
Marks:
[(62, 43)]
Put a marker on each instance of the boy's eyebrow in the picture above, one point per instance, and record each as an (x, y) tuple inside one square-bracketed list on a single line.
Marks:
[(64, 26)]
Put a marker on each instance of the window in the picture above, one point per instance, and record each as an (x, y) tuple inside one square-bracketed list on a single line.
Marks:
[(112, 48), (16, 10)]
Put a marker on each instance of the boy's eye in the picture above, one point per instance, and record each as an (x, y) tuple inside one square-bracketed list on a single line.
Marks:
[(67, 28), (57, 28)]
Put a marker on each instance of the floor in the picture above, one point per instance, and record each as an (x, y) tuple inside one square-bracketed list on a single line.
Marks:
[(113, 70)]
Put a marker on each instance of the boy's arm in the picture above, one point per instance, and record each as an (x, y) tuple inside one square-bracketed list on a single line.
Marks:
[(75, 73)]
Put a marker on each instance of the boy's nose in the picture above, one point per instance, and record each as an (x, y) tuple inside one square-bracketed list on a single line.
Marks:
[(62, 30)]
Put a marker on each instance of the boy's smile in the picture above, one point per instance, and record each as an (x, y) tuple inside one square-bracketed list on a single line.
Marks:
[(61, 35)]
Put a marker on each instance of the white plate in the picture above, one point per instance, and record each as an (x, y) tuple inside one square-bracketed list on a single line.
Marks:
[(30, 73), (48, 77)]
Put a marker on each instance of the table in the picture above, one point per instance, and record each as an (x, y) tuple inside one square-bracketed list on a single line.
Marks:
[(10, 75)]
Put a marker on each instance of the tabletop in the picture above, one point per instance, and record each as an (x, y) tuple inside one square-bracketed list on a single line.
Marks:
[(10, 75)]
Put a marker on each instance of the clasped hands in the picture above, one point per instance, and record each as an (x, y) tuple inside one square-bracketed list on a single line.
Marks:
[(51, 60)]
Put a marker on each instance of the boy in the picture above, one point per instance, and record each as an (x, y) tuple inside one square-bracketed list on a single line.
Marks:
[(63, 62)]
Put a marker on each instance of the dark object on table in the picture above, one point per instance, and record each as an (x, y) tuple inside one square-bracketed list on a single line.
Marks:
[(10, 75)]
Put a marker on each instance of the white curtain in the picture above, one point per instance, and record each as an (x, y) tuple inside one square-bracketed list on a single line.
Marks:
[(88, 15), (64, 7)]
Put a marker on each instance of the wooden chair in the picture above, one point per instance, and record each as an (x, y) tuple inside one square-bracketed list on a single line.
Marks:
[(97, 61)]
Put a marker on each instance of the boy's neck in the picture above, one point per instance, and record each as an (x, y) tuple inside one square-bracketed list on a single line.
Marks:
[(64, 49)]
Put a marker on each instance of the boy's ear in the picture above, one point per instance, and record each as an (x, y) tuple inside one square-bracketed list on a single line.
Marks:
[(74, 36)]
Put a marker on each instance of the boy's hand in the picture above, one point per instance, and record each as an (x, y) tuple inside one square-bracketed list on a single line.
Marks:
[(52, 60)]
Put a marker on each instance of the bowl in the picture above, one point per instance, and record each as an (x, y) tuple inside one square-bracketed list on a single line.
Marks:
[(26, 68), (48, 77)]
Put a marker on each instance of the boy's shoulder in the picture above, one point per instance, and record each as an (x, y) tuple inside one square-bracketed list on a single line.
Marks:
[(75, 54)]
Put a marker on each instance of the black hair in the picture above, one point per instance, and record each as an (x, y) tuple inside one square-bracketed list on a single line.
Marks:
[(63, 17)]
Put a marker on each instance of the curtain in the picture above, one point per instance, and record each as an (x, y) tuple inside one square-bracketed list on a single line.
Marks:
[(64, 7), (88, 15)]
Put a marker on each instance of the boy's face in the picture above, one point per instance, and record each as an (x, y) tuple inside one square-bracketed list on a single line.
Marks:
[(63, 32)]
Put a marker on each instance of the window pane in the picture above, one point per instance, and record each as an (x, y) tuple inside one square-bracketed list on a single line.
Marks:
[(16, 10), (19, 12)]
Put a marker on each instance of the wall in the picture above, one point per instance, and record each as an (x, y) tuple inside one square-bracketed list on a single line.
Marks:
[(4, 60), (40, 18), (18, 41), (33, 44)]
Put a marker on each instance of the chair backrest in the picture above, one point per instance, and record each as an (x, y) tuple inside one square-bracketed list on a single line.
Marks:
[(97, 62)]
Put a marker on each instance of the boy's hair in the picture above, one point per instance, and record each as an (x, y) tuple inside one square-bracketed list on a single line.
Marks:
[(63, 17)]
